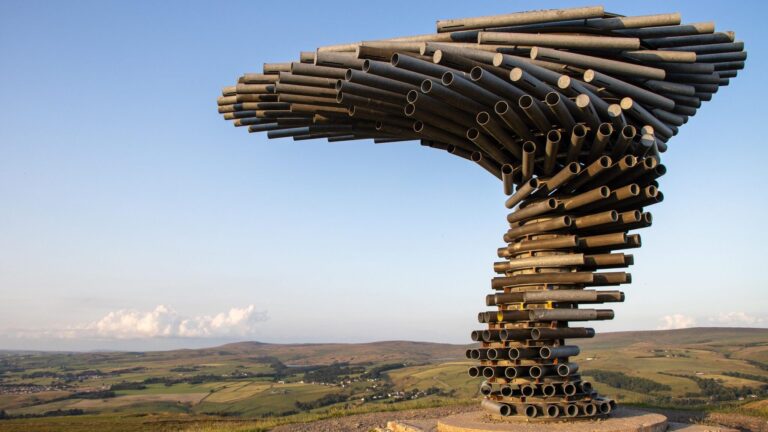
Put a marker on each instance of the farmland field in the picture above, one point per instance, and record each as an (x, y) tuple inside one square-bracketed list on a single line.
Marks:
[(253, 386)]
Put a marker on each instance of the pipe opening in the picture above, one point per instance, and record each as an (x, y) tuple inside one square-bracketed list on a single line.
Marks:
[(473, 134), (553, 411), (571, 410), (418, 126), (525, 102), (505, 410), (501, 107), (527, 390), (366, 65), (483, 118), (514, 353), (605, 408), (590, 409), (348, 74), (447, 77), (476, 156), (426, 85), (535, 371), (506, 168), (605, 191), (529, 147), (614, 215), (573, 167), (409, 110), (395, 59), (531, 411), (628, 132), (569, 389), (476, 73), (552, 98), (605, 129), (580, 131), (554, 136), (545, 352), (412, 96)]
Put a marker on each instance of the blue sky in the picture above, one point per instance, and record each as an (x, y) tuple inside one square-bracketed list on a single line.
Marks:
[(132, 210)]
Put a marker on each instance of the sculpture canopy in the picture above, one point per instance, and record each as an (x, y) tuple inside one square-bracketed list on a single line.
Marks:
[(533, 90)]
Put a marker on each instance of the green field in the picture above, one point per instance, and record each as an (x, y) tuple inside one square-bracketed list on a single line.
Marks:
[(253, 386)]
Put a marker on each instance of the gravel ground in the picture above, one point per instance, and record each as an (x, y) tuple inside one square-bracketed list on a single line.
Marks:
[(367, 422), (736, 421), (371, 421)]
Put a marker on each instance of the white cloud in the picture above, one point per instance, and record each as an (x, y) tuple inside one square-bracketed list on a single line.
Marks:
[(160, 322), (676, 321), (736, 318)]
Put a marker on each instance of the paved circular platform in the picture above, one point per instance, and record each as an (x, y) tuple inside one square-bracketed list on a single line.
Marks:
[(622, 420)]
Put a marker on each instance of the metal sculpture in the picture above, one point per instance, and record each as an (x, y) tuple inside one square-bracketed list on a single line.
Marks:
[(570, 107)]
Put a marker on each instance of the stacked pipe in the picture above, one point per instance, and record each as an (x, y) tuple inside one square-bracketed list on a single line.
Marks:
[(566, 243), (570, 108), (483, 88)]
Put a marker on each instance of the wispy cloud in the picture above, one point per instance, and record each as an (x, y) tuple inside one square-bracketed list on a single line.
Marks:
[(676, 321), (160, 322)]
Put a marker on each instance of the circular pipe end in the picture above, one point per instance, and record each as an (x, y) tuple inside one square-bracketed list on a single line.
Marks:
[(552, 98), (554, 136), (447, 78), (553, 411), (476, 73), (529, 147), (531, 411)]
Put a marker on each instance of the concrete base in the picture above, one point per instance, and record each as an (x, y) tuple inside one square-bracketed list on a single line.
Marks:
[(623, 420)]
